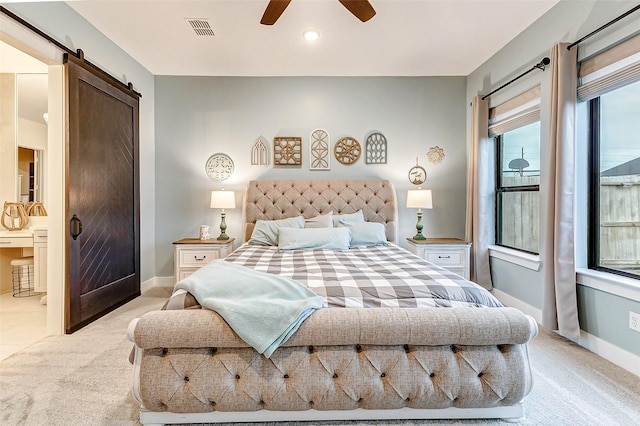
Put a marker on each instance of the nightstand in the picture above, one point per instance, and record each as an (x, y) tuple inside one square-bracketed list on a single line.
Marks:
[(191, 254), (450, 253)]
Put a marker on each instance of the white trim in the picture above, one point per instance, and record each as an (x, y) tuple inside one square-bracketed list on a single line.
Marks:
[(508, 412), (598, 346), (156, 282), (609, 283), (526, 260), (508, 300), (610, 352)]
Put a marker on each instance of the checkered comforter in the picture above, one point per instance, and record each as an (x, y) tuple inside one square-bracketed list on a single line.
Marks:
[(380, 276)]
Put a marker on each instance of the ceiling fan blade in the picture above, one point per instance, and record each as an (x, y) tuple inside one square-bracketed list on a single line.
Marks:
[(362, 9), (273, 11)]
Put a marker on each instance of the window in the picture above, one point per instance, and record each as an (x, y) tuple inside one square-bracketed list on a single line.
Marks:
[(518, 188), (614, 211)]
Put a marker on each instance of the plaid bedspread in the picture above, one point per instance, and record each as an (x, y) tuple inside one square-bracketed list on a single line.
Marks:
[(379, 276)]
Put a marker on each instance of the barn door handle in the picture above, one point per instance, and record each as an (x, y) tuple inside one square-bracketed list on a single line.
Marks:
[(75, 225)]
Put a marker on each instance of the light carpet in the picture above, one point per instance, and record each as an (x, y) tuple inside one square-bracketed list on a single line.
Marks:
[(85, 379)]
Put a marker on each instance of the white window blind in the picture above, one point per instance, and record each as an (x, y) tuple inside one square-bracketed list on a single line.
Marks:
[(609, 70), (517, 112)]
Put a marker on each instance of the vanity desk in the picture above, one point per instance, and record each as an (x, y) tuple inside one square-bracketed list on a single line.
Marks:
[(31, 241)]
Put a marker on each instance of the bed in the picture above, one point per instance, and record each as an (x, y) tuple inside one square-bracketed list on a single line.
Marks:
[(365, 354)]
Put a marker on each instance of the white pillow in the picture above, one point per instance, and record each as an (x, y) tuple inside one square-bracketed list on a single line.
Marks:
[(310, 238), (320, 221), (348, 217), (265, 232), (366, 233)]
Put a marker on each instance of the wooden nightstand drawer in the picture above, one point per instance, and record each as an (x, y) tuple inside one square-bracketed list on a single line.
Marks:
[(446, 258), (197, 258), (449, 253), (190, 254)]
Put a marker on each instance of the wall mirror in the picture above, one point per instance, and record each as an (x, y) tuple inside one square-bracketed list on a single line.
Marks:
[(23, 120)]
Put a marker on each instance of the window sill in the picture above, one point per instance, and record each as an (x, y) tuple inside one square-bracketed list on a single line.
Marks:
[(609, 283), (526, 260)]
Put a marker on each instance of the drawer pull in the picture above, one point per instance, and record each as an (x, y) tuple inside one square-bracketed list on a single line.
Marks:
[(444, 257), (199, 259)]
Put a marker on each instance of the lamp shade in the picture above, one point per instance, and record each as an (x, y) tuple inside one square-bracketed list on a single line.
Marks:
[(419, 199), (223, 200)]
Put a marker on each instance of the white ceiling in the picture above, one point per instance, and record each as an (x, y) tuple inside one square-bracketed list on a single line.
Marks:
[(405, 38)]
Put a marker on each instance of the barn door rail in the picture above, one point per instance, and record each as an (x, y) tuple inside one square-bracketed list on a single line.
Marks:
[(127, 88)]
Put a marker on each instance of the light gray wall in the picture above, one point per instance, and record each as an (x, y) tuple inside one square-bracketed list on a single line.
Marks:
[(601, 314), (199, 116), (62, 23)]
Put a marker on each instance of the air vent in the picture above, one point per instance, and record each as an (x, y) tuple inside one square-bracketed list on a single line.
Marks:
[(201, 27)]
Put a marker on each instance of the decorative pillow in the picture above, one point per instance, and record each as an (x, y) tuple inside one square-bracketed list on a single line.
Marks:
[(366, 233), (348, 217), (320, 221), (265, 233), (310, 238)]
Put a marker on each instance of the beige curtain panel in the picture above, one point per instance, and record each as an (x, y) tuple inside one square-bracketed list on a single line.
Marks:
[(479, 203), (560, 306)]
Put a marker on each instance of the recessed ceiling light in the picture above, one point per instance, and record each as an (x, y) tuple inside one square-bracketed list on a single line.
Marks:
[(311, 35)]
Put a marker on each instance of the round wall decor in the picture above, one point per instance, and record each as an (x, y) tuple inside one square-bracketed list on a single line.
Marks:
[(417, 174), (219, 167), (347, 150)]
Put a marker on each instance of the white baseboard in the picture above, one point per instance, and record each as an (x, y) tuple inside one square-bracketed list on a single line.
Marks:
[(156, 282), (509, 300), (595, 344)]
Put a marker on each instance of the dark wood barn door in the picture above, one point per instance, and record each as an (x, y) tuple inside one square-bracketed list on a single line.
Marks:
[(102, 195)]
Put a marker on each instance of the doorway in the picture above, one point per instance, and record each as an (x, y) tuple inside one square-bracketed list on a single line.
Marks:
[(37, 139)]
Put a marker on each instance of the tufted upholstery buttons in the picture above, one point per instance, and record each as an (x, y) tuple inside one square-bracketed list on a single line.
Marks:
[(358, 348), (480, 374), (406, 348), (213, 351), (237, 377), (212, 403), (454, 349), (286, 376), (432, 375), (383, 375), (186, 378), (164, 351), (310, 349), (335, 375)]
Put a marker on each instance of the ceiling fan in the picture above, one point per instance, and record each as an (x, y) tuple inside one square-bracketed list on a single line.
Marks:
[(361, 9)]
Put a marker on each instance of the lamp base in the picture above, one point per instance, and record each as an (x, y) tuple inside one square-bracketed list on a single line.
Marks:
[(419, 237), (223, 228)]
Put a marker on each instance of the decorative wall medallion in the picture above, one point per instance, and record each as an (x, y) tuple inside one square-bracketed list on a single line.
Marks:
[(376, 149), (319, 158), (219, 167), (347, 150), (435, 155), (287, 151), (260, 152), (417, 174)]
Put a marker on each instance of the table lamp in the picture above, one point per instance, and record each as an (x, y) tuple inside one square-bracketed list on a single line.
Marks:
[(419, 199), (223, 200)]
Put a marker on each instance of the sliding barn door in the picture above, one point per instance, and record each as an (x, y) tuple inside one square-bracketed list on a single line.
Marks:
[(102, 195)]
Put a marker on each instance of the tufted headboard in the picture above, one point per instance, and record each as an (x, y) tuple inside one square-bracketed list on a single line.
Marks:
[(279, 199)]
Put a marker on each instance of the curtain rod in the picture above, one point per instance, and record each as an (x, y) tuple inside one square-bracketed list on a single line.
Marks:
[(540, 66), (613, 21), (78, 54)]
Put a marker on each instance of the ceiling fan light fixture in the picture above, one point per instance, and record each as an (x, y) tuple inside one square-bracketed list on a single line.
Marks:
[(311, 34)]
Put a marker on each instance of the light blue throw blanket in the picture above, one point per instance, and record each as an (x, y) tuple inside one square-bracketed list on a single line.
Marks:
[(263, 309)]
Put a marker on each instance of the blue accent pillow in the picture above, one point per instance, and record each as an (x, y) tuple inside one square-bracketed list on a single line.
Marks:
[(366, 233), (310, 238), (265, 233), (348, 217), (320, 221)]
